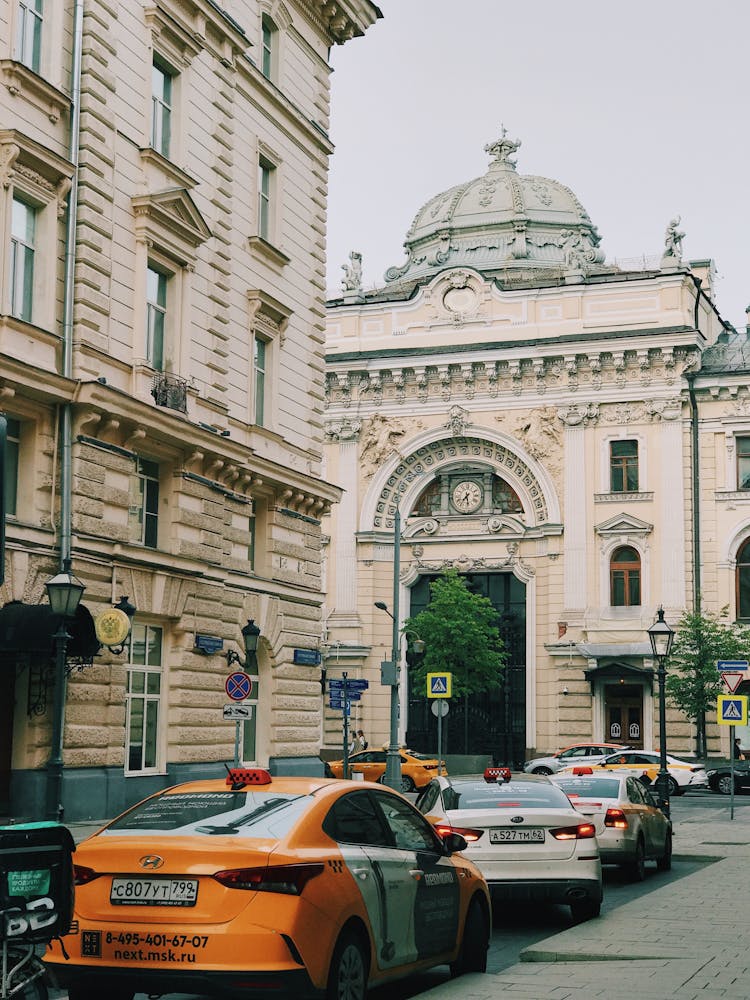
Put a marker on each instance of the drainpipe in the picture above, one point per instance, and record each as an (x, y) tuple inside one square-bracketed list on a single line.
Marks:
[(66, 410)]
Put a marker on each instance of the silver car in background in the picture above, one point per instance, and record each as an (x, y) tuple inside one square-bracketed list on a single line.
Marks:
[(630, 826), (578, 753)]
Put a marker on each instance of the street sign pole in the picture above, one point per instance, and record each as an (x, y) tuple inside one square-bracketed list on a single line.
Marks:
[(440, 739), (345, 700), (731, 771), (237, 743)]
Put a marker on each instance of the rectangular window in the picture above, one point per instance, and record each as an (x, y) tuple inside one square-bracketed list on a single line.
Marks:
[(743, 463), (161, 109), (623, 464), (22, 236), (144, 504), (10, 484), (268, 31), (265, 192), (143, 698), (29, 35), (259, 373), (156, 317)]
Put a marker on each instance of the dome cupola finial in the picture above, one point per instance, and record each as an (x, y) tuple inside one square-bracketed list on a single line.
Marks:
[(503, 149)]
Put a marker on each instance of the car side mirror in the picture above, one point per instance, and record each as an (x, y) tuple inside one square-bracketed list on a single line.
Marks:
[(454, 842)]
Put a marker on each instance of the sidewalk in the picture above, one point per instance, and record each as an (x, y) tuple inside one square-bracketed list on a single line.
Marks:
[(689, 940)]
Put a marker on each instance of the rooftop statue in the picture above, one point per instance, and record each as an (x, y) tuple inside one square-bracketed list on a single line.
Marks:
[(352, 280), (673, 240)]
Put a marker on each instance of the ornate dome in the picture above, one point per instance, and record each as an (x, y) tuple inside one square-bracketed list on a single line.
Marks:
[(498, 222)]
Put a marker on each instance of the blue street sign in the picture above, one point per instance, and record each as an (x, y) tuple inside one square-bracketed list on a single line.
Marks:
[(307, 657), (338, 695), (351, 685), (723, 665), (337, 704)]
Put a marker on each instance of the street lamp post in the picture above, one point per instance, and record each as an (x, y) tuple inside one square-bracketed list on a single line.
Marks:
[(64, 592), (661, 637), (392, 776)]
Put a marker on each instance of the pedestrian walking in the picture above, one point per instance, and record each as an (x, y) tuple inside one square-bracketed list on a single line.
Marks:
[(362, 743), (738, 754)]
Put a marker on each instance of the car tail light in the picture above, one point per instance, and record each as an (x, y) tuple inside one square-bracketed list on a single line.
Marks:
[(699, 767), (584, 831), (287, 879), (616, 818), (469, 834), (82, 875)]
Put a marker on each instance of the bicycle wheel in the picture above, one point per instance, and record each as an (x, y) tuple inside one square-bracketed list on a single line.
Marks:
[(29, 982)]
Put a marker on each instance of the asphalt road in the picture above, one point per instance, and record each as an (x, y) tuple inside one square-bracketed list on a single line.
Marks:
[(522, 925)]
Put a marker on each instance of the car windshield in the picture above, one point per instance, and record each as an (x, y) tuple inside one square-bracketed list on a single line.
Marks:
[(491, 795), (246, 814), (600, 788)]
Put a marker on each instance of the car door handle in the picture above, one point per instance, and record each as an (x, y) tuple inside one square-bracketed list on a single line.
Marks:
[(362, 873)]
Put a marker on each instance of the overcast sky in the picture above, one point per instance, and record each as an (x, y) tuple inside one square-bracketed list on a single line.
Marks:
[(641, 108)]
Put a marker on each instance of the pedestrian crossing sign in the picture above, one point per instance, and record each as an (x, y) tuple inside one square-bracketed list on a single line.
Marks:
[(439, 685), (731, 709)]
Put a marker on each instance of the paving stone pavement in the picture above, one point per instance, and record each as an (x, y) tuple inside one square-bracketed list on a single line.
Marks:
[(689, 940)]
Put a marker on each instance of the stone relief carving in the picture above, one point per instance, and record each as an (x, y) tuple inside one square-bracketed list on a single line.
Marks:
[(664, 409), (343, 430), (540, 432), (584, 414), (378, 442), (456, 421)]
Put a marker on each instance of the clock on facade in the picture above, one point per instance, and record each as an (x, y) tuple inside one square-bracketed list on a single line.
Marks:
[(467, 496)]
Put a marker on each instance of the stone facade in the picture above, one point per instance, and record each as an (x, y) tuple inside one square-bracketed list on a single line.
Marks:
[(178, 327), (527, 372)]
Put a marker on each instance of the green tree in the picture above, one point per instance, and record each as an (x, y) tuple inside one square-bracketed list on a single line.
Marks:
[(459, 629), (693, 682)]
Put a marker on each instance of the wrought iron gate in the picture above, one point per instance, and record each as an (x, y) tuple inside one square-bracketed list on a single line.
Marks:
[(493, 722)]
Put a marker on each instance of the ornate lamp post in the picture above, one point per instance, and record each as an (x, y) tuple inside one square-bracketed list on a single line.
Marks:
[(64, 592), (661, 637), (250, 636)]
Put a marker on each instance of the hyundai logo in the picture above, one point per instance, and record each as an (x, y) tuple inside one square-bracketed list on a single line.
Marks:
[(516, 819), (151, 861)]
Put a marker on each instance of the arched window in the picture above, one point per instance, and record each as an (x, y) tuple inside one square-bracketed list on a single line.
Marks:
[(743, 580), (625, 577)]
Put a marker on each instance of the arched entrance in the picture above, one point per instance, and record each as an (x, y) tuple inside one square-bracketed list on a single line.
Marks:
[(494, 722)]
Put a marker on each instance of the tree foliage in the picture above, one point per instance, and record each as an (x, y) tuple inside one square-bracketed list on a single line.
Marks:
[(693, 681), (459, 629)]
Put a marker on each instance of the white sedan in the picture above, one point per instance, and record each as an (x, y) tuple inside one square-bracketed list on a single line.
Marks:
[(630, 826), (683, 774), (524, 836)]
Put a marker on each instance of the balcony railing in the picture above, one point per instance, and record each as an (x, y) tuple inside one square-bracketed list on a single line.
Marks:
[(170, 391)]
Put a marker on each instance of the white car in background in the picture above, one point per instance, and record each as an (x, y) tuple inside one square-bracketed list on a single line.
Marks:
[(577, 753), (524, 836), (683, 774), (630, 826)]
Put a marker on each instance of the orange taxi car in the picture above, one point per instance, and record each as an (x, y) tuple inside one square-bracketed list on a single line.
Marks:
[(259, 886), (417, 769)]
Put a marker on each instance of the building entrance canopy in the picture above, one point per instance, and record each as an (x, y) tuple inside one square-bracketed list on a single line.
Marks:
[(27, 630)]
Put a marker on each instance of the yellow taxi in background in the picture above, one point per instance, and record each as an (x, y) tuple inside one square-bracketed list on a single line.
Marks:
[(417, 769), (258, 886), (683, 774)]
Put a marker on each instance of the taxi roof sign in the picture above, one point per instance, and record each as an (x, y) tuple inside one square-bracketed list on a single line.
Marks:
[(731, 709), (439, 685)]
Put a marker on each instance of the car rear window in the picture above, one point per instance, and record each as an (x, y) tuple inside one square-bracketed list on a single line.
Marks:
[(601, 788), (239, 814), (421, 756), (488, 795)]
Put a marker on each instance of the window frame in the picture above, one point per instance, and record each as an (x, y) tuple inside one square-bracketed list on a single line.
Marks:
[(163, 108), (269, 47), (12, 458), (266, 198), (632, 575), (25, 13), (148, 671), (624, 465), (148, 485), (22, 277), (155, 310), (742, 568), (741, 441)]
